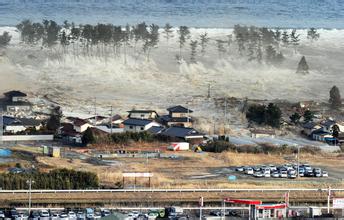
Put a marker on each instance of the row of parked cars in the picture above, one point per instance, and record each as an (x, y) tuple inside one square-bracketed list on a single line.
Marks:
[(68, 214), (284, 171)]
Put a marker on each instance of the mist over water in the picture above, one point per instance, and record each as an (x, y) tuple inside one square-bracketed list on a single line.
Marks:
[(195, 13)]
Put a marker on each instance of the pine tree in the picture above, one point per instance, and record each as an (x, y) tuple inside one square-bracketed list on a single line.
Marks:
[(303, 67), (168, 32), (5, 39), (204, 41), (335, 98), (295, 39), (285, 38), (312, 34), (184, 35), (193, 46)]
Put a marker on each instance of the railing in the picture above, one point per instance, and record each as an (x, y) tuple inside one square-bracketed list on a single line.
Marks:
[(174, 190)]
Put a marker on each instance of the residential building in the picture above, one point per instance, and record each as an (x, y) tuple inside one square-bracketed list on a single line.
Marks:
[(81, 125), (15, 101), (183, 134), (15, 125), (310, 127), (138, 125), (143, 114), (178, 116), (320, 135)]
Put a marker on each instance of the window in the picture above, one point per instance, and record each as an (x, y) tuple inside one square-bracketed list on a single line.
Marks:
[(131, 127), (142, 116), (142, 128)]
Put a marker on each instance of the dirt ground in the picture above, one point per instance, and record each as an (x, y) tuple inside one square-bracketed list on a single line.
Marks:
[(199, 170)]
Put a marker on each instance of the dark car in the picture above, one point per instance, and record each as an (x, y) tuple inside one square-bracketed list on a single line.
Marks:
[(13, 214), (34, 215)]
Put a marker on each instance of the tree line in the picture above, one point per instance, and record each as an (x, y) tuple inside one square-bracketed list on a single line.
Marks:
[(104, 40), (266, 115), (55, 179)]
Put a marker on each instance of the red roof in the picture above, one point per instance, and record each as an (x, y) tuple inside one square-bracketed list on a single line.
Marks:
[(272, 206), (243, 201)]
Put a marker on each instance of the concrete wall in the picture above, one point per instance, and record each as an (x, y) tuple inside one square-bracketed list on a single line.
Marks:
[(27, 138)]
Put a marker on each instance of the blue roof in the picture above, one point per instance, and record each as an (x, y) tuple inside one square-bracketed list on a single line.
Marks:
[(7, 120), (155, 129), (137, 122)]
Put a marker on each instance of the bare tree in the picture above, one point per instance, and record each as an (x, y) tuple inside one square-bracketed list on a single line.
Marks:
[(204, 42)]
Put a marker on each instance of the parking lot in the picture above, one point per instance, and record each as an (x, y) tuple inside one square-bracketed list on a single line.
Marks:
[(290, 171)]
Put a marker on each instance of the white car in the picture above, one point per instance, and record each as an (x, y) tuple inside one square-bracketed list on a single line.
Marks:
[(55, 216), (44, 213), (2, 214), (275, 174), (71, 215), (324, 173), (283, 174), (63, 216), (249, 171), (80, 216), (97, 215), (258, 174)]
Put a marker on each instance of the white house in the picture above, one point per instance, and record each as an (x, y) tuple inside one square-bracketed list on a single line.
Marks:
[(80, 125), (138, 125), (143, 114)]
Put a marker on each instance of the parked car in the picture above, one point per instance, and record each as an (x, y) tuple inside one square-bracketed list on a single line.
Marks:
[(34, 215), (324, 173), (272, 167), (249, 171), (291, 175), (283, 174), (275, 174), (55, 216), (71, 215), (106, 212), (239, 169), (97, 215), (258, 174), (63, 216), (44, 214), (2, 214)]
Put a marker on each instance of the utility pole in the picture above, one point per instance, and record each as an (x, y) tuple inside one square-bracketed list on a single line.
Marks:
[(225, 121), (208, 90), (111, 119), (95, 111), (1, 125), (30, 181)]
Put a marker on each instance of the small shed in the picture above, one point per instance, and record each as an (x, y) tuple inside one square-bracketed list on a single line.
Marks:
[(54, 151)]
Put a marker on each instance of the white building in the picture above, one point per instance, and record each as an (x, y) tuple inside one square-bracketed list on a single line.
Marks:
[(138, 125)]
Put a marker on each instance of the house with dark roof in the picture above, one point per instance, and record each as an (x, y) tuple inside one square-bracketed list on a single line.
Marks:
[(177, 116), (14, 125), (15, 101), (320, 135), (80, 125), (309, 127), (143, 114), (138, 125), (183, 133), (156, 129)]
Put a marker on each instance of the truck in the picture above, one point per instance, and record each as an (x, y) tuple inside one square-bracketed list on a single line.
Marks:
[(179, 146)]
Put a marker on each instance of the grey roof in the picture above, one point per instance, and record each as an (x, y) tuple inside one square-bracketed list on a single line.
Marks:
[(7, 120), (320, 132), (328, 123), (137, 122), (167, 118), (309, 125), (179, 108), (20, 121), (155, 129), (181, 132), (143, 111), (15, 93)]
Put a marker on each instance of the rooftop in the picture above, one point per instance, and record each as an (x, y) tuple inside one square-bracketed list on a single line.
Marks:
[(15, 93), (137, 122), (180, 109), (181, 132)]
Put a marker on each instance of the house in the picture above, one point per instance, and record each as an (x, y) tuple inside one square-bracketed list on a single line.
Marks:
[(320, 135), (81, 125), (329, 124), (143, 114), (262, 133), (310, 127), (69, 135), (15, 125), (178, 116), (15, 101), (183, 134), (156, 129), (138, 125)]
